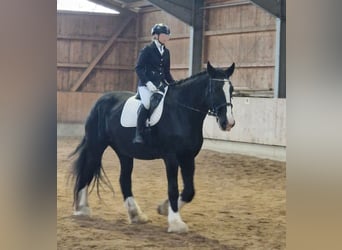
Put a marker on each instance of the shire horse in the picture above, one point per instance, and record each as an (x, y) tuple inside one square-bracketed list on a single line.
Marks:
[(177, 139)]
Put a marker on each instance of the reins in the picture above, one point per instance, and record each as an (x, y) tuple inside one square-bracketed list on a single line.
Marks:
[(213, 111)]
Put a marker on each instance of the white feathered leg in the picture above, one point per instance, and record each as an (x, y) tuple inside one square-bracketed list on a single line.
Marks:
[(176, 224), (134, 212), (81, 206), (163, 208)]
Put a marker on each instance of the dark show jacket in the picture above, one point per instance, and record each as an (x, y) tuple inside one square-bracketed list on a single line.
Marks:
[(152, 66)]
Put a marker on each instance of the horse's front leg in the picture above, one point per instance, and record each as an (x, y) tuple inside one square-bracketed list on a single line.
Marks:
[(176, 224), (187, 165), (135, 215)]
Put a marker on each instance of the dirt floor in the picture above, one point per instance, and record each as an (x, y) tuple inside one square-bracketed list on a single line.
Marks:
[(240, 203)]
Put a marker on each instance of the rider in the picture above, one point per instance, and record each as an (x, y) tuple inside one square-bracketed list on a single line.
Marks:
[(153, 70)]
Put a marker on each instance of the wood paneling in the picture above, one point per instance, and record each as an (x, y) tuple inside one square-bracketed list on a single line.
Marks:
[(74, 107), (77, 48), (244, 34)]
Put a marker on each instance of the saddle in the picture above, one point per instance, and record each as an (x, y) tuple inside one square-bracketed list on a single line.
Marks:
[(129, 114)]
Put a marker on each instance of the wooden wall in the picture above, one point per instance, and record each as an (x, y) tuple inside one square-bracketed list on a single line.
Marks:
[(80, 37), (74, 107), (178, 43), (242, 33)]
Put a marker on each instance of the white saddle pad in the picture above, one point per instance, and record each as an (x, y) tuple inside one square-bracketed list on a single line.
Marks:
[(129, 114)]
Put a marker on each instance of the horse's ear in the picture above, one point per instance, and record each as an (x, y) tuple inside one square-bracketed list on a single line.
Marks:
[(230, 70), (210, 69)]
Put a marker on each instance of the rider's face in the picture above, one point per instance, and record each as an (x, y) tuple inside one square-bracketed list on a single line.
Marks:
[(163, 38)]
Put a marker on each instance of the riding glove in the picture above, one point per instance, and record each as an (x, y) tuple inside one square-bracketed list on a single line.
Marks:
[(151, 87)]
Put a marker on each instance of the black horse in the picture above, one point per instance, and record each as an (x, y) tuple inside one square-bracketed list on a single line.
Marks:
[(177, 139)]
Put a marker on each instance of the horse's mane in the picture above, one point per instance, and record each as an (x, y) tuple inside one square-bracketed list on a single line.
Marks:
[(179, 82)]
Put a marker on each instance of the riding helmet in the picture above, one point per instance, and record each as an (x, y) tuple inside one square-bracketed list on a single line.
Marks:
[(160, 28)]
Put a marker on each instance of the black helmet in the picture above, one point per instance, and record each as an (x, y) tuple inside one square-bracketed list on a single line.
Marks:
[(160, 28)]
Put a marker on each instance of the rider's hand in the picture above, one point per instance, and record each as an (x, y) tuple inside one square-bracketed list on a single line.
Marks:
[(151, 87)]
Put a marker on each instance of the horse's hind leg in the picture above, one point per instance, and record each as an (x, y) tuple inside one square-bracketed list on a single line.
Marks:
[(87, 167), (82, 206), (135, 215)]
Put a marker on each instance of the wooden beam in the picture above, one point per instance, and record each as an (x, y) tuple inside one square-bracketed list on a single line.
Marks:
[(84, 66), (196, 37), (93, 38), (100, 54), (172, 37), (271, 6), (148, 9), (137, 4), (282, 52), (136, 51), (178, 8), (229, 4), (236, 31)]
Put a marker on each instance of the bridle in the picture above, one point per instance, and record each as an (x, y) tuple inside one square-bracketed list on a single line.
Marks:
[(213, 110)]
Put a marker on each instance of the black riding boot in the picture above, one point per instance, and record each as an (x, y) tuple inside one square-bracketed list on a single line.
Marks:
[(142, 116)]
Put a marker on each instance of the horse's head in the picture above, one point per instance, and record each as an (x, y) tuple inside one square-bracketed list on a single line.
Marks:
[(220, 91)]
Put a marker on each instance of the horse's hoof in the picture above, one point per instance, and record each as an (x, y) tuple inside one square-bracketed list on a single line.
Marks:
[(163, 208), (82, 211), (178, 227), (139, 219)]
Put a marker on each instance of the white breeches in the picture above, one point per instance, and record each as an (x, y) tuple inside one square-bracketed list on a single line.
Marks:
[(145, 96)]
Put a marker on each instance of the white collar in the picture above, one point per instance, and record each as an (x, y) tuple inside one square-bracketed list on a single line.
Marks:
[(159, 45)]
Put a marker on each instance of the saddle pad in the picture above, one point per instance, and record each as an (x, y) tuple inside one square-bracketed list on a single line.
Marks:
[(129, 114)]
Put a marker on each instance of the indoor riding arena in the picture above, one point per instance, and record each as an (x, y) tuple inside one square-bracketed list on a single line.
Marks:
[(240, 175)]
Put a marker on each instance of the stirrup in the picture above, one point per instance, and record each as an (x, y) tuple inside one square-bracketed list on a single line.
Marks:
[(138, 139)]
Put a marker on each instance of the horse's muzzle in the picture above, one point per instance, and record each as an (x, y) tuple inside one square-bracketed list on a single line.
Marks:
[(230, 126), (225, 125)]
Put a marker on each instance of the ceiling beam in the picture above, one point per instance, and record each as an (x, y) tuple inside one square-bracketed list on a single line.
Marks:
[(137, 4), (178, 8), (271, 6)]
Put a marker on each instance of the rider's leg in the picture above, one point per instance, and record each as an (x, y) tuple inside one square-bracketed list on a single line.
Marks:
[(145, 96)]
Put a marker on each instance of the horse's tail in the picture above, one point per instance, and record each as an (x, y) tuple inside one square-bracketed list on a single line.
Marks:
[(87, 167)]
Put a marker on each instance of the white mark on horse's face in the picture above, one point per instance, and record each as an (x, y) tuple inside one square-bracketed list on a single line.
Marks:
[(230, 117)]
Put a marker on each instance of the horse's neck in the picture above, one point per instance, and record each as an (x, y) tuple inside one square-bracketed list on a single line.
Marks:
[(193, 93)]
